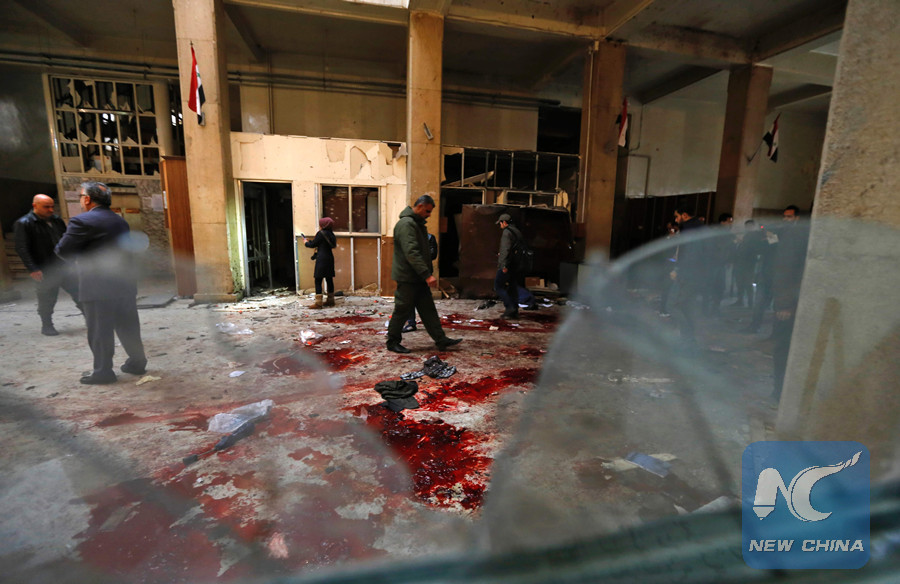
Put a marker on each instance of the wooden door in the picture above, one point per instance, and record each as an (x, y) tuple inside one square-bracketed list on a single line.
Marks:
[(178, 220)]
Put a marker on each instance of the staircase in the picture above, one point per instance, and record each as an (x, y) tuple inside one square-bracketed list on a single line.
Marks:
[(16, 267)]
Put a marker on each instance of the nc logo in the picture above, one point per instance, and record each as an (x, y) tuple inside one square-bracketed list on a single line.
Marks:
[(797, 494)]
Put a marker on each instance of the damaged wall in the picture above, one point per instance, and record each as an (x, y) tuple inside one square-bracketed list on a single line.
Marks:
[(309, 162), (683, 140)]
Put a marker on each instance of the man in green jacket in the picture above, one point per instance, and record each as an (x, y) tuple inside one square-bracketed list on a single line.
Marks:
[(412, 271)]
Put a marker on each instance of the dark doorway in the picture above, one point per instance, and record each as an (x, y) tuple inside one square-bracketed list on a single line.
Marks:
[(268, 222), (452, 201)]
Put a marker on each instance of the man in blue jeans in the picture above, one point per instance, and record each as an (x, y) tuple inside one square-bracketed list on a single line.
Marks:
[(506, 283)]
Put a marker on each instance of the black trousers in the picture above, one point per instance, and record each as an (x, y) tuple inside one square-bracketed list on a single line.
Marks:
[(107, 319), (411, 297), (782, 330), (507, 288), (686, 302), (329, 283), (55, 277)]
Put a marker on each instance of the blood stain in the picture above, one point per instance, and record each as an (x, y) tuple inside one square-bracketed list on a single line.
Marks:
[(195, 422), (118, 420), (446, 470), (531, 351), (340, 359), (481, 390), (146, 540)]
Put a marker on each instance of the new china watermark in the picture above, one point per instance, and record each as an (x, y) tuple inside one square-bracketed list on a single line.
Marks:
[(805, 505)]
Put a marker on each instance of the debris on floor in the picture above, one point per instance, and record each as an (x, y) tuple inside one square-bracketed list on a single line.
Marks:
[(433, 367), (650, 464), (225, 423), (398, 395), (232, 329), (147, 379), (224, 443)]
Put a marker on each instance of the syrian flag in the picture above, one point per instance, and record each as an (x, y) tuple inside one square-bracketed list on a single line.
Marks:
[(771, 138), (623, 122), (197, 99)]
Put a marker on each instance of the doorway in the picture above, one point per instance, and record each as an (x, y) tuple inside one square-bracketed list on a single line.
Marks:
[(268, 247), (452, 201)]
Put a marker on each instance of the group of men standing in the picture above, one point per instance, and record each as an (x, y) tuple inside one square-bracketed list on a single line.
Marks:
[(95, 244), (700, 271)]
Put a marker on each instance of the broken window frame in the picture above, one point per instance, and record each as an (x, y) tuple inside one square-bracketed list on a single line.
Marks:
[(104, 153), (349, 233), (350, 227), (500, 169)]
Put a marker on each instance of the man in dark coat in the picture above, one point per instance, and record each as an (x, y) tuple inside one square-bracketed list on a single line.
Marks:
[(787, 273), (95, 239), (506, 281), (412, 270), (37, 233), (690, 270)]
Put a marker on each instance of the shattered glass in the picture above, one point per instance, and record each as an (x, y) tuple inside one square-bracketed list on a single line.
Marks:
[(620, 464)]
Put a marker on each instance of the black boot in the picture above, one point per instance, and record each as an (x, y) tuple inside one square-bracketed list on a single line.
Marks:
[(47, 327)]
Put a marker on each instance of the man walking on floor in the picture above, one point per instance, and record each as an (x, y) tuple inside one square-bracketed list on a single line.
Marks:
[(108, 287), (506, 282), (37, 233), (412, 270)]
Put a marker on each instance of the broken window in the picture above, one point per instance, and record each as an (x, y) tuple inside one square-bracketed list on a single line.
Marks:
[(118, 115), (353, 209)]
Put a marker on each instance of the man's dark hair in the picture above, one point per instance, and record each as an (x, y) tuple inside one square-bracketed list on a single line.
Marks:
[(681, 206), (424, 200), (98, 192), (793, 208), (723, 217)]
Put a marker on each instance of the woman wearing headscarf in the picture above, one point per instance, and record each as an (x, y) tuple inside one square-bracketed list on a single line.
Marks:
[(323, 242)]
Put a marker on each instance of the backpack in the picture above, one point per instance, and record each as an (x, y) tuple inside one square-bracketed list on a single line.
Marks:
[(523, 256)]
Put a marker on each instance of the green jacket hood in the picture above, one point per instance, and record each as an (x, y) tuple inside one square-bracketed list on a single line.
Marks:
[(408, 212)]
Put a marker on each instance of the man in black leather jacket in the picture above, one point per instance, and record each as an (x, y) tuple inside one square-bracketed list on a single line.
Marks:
[(37, 233)]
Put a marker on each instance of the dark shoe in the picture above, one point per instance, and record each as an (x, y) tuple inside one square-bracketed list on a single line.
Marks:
[(397, 348), (448, 342), (329, 300), (408, 328), (510, 315), (95, 380), (48, 330), (130, 368)]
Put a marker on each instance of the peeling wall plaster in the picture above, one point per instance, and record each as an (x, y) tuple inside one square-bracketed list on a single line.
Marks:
[(309, 162)]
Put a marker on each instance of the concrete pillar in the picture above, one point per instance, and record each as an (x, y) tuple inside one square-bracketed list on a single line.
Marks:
[(843, 369), (207, 147), (604, 73), (423, 108), (745, 118), (163, 119)]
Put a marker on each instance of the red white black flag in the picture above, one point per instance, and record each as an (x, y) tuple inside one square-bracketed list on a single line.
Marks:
[(197, 98), (771, 139), (623, 122)]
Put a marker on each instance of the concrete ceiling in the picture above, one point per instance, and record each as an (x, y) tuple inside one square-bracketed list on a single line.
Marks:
[(520, 48)]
